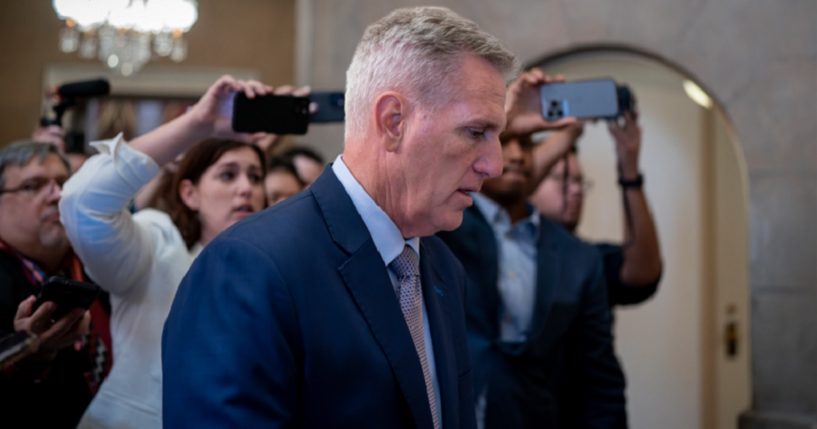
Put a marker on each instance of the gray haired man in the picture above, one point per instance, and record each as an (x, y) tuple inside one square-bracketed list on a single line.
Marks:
[(33, 246), (338, 307)]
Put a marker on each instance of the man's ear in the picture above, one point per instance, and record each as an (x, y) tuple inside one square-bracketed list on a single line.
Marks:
[(189, 194), (390, 116)]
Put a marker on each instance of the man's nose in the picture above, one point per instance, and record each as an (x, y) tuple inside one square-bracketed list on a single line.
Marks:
[(489, 164), (54, 190), (512, 152)]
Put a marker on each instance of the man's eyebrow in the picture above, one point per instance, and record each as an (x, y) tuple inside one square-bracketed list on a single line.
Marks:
[(39, 177), (482, 123)]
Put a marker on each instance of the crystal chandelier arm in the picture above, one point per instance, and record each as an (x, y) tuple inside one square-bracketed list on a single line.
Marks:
[(121, 32)]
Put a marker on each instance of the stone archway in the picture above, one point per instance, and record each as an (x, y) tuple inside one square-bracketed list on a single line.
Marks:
[(680, 372)]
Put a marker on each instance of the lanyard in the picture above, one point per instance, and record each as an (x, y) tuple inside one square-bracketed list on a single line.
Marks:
[(34, 273)]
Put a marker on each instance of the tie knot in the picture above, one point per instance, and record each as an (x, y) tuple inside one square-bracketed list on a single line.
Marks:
[(406, 264)]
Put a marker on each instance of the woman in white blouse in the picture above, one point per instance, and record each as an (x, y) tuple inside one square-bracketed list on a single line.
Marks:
[(140, 259)]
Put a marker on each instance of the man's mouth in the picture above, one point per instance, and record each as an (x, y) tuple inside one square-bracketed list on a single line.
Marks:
[(467, 190), (51, 216), (516, 171)]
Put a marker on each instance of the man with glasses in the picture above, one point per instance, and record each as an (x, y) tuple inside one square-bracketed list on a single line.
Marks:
[(536, 306), (632, 270), (52, 387)]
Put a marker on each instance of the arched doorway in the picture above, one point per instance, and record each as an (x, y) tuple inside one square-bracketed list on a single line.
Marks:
[(685, 352)]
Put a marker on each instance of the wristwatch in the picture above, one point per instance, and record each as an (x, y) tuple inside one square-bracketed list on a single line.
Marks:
[(631, 183)]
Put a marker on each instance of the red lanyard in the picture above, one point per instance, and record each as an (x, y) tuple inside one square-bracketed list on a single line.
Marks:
[(36, 275)]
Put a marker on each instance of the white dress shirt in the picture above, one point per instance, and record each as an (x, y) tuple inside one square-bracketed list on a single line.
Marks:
[(140, 260)]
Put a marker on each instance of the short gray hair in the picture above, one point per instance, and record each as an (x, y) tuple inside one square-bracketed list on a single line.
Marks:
[(20, 153), (416, 50)]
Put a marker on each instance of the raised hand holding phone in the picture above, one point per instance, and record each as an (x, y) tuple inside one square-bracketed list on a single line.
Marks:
[(285, 111), (213, 113), (523, 106), (206, 119)]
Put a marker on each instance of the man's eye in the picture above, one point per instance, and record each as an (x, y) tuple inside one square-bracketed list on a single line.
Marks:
[(34, 185), (477, 134)]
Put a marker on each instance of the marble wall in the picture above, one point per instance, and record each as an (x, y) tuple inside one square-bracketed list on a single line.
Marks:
[(758, 59)]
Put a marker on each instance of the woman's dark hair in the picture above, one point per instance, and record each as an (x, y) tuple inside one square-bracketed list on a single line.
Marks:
[(304, 151), (194, 163), (282, 164)]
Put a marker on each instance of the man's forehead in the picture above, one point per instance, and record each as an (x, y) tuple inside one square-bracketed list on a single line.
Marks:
[(37, 166), (485, 103)]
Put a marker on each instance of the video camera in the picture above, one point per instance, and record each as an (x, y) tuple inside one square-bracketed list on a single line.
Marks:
[(69, 93)]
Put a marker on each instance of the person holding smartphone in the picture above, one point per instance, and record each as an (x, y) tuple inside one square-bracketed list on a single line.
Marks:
[(633, 268), (141, 258), (71, 356), (538, 322)]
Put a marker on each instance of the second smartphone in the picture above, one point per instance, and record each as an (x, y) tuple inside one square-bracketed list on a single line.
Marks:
[(584, 99)]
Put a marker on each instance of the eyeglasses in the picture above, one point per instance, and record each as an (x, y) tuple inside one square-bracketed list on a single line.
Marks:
[(584, 184), (36, 186)]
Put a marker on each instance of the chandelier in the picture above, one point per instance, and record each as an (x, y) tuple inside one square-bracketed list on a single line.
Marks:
[(121, 32)]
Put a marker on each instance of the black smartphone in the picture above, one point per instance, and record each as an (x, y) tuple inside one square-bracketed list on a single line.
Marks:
[(584, 99), (16, 346), (329, 107), (279, 114), (67, 294)]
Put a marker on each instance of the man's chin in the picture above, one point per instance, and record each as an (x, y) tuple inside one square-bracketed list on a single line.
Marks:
[(505, 196), (56, 244), (53, 236), (452, 222)]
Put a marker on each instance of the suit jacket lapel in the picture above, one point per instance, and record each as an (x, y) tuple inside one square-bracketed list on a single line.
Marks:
[(438, 300), (548, 276), (486, 294), (367, 280)]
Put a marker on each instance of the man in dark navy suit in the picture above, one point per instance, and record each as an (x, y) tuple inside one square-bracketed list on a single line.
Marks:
[(537, 315), (329, 310)]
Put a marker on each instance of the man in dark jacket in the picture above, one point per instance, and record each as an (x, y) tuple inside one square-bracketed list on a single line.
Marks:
[(537, 315), (51, 387)]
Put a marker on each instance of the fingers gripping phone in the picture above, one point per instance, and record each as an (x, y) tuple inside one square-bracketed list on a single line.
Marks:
[(67, 295), (584, 99), (278, 114)]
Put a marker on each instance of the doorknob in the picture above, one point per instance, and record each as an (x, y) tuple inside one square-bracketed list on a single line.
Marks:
[(730, 333)]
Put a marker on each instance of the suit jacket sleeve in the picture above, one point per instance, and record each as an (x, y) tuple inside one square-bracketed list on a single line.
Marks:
[(234, 310), (603, 400)]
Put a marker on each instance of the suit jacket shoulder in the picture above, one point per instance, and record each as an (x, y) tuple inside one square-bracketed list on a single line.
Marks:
[(294, 322)]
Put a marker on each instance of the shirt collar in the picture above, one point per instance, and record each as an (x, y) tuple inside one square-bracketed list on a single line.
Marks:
[(386, 236), (495, 213)]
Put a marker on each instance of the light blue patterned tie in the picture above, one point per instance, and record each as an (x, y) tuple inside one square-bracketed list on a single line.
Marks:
[(410, 291)]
